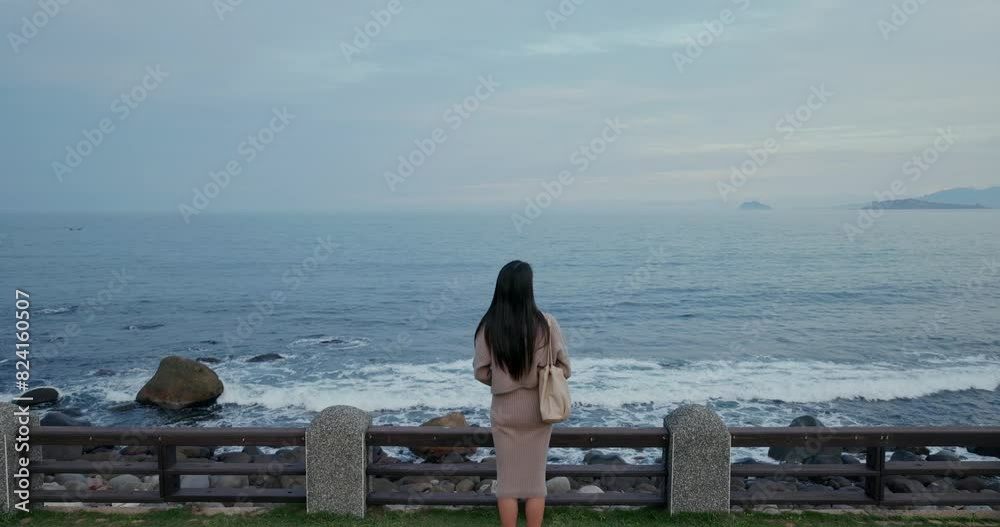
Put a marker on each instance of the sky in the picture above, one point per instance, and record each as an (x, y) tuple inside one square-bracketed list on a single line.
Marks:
[(310, 105)]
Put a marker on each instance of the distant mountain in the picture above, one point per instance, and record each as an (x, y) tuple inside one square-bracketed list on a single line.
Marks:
[(987, 197), (754, 205), (917, 204)]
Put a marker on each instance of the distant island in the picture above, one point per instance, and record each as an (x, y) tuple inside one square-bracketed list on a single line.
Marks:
[(917, 204), (987, 197), (953, 198), (754, 205)]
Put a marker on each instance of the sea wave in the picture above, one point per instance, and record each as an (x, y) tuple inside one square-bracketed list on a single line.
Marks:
[(57, 310), (616, 383), (330, 342)]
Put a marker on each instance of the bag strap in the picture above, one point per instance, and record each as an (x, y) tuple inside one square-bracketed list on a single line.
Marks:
[(548, 345)]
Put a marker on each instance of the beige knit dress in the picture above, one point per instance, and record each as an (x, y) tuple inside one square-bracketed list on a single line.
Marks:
[(520, 437)]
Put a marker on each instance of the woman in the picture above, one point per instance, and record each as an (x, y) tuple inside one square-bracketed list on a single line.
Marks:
[(513, 342)]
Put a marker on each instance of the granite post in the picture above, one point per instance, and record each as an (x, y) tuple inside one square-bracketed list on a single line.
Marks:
[(336, 458), (697, 459), (15, 425)]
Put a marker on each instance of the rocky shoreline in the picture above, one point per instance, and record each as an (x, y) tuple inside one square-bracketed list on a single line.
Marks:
[(180, 383)]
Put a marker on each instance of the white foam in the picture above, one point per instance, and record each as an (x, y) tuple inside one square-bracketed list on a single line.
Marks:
[(613, 383), (331, 342)]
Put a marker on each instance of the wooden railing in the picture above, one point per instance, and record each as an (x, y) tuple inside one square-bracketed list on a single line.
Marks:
[(167, 466), (875, 441)]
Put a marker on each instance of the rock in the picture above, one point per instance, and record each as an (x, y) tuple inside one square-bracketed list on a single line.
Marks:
[(264, 458), (559, 485), (76, 486), (944, 455), (417, 488), (266, 357), (138, 450), (989, 451), (904, 455), (839, 482), (792, 454), (236, 457), (200, 452), (181, 383), (646, 488), (453, 457), (209, 360), (918, 450), (62, 479), (103, 373), (293, 482), (195, 482), (765, 487), (228, 482), (125, 482), (971, 484), (899, 484), (466, 485), (596, 457), (590, 489), (452, 420), (40, 395), (941, 486), (61, 419), (824, 460), (291, 455), (252, 450), (488, 486), (382, 485)]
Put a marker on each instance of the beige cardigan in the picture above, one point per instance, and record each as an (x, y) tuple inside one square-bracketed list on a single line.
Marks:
[(499, 381)]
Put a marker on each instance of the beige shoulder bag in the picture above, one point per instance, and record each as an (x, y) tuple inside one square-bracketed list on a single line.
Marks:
[(553, 390)]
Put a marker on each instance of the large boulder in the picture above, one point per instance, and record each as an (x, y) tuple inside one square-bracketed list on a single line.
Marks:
[(452, 420), (180, 383), (800, 454), (40, 395), (61, 419)]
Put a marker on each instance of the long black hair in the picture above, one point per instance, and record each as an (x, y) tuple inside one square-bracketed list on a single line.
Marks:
[(513, 322)]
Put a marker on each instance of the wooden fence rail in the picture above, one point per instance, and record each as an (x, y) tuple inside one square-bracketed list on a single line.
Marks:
[(875, 441)]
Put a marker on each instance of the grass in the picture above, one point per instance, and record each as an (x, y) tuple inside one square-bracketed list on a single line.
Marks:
[(294, 516)]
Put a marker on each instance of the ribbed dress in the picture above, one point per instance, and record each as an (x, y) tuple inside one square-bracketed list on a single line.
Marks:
[(520, 437)]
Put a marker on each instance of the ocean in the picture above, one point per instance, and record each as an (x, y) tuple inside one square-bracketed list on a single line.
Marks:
[(764, 316)]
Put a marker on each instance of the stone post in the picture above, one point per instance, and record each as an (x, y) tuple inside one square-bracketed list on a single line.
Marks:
[(13, 490), (336, 458), (697, 460)]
